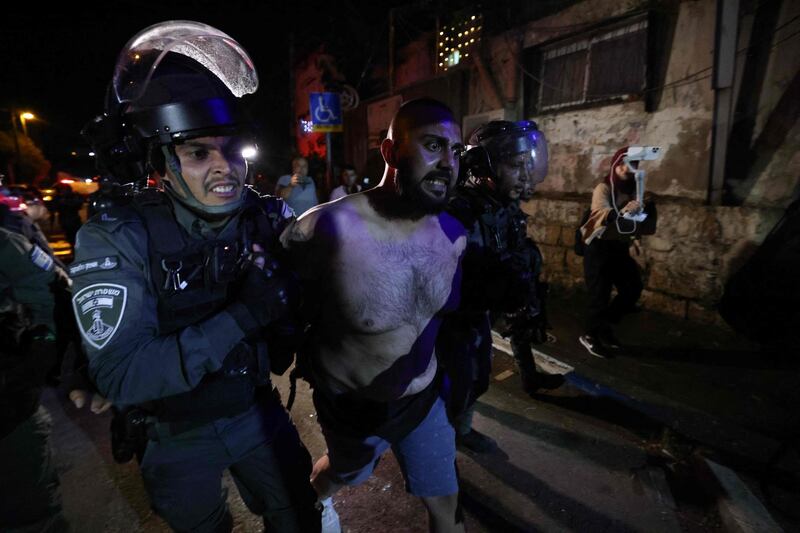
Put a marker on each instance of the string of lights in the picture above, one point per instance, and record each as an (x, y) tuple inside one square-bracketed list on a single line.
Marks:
[(456, 40)]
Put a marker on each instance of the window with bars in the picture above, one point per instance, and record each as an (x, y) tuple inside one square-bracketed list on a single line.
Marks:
[(598, 66)]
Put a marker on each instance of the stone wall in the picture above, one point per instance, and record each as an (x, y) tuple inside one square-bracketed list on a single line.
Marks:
[(684, 265), (696, 247), (582, 141)]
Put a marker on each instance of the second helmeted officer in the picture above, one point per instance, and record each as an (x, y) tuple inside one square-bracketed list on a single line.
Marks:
[(502, 264), (177, 293)]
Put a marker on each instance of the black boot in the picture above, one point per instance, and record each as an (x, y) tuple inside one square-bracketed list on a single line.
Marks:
[(533, 383)]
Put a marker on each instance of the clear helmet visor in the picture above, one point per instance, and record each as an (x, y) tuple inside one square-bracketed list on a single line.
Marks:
[(215, 50), (528, 153), (536, 145)]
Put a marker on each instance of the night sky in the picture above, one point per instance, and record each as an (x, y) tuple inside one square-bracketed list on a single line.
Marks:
[(57, 62)]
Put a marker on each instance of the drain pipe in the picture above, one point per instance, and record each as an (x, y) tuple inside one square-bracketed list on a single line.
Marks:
[(725, 38)]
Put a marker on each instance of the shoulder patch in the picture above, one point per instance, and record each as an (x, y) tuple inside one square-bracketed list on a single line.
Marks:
[(99, 309), (109, 262), (41, 259)]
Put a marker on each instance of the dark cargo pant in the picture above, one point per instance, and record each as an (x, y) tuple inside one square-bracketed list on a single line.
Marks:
[(262, 451)]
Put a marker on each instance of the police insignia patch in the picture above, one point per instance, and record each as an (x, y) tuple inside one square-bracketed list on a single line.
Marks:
[(99, 309)]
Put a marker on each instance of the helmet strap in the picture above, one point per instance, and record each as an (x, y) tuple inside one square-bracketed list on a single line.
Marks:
[(173, 167)]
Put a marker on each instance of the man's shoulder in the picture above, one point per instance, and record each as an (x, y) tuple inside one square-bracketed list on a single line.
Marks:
[(268, 203), (108, 244), (119, 228), (445, 215), (451, 225), (327, 210), (347, 205), (285, 179), (328, 218), (118, 218)]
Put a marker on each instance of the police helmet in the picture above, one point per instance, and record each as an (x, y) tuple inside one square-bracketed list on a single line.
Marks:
[(173, 81), (500, 140)]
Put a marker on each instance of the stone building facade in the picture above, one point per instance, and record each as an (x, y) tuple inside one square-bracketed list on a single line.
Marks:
[(699, 242), (697, 245)]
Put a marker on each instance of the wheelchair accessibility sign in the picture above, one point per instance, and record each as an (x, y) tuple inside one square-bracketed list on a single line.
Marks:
[(326, 112)]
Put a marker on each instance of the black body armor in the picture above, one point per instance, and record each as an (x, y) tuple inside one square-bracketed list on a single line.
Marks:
[(195, 279)]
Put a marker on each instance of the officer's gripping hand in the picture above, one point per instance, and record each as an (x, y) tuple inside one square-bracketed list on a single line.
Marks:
[(98, 404), (263, 297)]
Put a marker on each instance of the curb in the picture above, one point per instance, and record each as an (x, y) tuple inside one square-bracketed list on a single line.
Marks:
[(741, 511)]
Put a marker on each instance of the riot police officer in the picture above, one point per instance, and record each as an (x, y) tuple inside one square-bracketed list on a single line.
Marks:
[(501, 267), (178, 294)]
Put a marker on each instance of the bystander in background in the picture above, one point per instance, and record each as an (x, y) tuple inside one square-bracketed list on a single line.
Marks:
[(298, 188), (349, 183)]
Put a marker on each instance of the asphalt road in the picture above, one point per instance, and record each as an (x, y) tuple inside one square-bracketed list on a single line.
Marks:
[(559, 470)]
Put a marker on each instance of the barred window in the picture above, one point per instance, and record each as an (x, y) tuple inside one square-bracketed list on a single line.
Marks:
[(598, 66)]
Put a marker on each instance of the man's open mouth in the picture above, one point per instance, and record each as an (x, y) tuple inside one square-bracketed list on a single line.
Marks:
[(435, 185), (224, 190)]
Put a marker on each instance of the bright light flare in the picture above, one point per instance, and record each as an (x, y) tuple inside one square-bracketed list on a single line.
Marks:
[(249, 152)]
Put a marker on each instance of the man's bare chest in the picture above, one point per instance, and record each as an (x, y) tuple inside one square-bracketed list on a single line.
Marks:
[(386, 283)]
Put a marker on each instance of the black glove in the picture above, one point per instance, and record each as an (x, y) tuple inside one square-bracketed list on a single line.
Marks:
[(75, 370), (128, 434), (263, 296)]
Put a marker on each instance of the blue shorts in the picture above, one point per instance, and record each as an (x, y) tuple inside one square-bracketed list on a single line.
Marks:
[(427, 456)]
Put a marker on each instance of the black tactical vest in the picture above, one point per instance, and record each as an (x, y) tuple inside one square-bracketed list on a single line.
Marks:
[(508, 260), (195, 279)]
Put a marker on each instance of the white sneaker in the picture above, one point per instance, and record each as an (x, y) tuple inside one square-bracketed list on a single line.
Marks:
[(330, 518)]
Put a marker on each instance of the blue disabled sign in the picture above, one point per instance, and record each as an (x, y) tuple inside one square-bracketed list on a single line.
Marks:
[(326, 112)]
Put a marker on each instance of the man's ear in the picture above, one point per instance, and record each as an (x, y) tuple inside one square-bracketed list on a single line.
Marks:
[(389, 152)]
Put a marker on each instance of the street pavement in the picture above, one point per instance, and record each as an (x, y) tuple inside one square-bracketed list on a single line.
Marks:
[(558, 470)]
